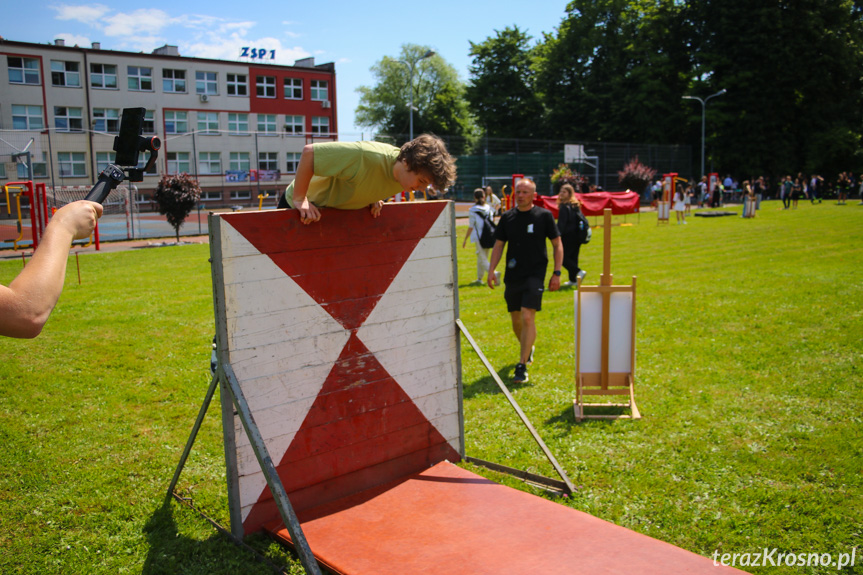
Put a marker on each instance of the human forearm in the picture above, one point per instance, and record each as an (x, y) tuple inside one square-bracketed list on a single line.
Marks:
[(26, 304), (496, 254)]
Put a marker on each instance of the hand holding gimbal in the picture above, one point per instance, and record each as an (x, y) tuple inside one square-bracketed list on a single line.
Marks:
[(128, 145)]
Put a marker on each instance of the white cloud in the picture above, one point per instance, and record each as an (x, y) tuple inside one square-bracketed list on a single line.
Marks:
[(146, 21), (88, 14), (75, 40)]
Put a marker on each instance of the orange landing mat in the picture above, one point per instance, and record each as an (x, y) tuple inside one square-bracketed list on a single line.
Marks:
[(449, 520)]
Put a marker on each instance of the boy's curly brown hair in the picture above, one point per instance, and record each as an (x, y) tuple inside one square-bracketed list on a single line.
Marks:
[(427, 154)]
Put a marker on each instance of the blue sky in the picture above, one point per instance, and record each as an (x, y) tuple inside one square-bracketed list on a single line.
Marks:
[(348, 33)]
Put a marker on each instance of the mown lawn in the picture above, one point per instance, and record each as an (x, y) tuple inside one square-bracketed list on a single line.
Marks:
[(749, 376)]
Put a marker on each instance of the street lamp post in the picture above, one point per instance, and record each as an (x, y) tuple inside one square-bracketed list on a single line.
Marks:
[(428, 54), (703, 111)]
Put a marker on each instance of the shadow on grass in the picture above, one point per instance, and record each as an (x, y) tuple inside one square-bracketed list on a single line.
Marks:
[(170, 552), (566, 417), (486, 385)]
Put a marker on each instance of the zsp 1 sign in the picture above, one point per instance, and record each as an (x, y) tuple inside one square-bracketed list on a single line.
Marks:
[(257, 53)]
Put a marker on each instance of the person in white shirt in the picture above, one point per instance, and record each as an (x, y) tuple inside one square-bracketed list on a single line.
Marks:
[(476, 221)]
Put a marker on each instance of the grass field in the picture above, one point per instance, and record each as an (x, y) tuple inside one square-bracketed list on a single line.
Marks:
[(749, 378)]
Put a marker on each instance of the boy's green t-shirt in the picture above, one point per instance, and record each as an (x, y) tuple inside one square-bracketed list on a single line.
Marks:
[(351, 175)]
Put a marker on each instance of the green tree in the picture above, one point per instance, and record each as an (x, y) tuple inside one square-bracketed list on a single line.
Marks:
[(500, 89), (433, 86), (792, 71)]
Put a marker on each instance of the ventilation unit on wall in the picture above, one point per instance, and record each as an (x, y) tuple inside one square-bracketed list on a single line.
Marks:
[(205, 98), (325, 104)]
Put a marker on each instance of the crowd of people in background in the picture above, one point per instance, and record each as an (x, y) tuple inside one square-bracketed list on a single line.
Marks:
[(789, 189)]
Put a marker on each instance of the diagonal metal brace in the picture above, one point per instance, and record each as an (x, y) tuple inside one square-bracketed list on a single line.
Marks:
[(569, 486)]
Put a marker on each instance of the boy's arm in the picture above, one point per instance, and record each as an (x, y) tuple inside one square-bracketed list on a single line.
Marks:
[(305, 170)]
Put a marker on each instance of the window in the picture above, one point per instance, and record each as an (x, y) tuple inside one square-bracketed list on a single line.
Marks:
[(268, 161), (241, 195), (265, 86), (208, 122), (176, 122), (103, 76), (209, 163), (65, 74), (27, 117), (103, 159), (206, 83), (40, 170), (68, 119), (293, 88), (320, 125), (211, 196), (319, 91), (267, 123), (23, 70), (2, 173), (149, 125), (293, 162), (174, 81), (178, 162), (238, 124), (237, 85), (140, 79), (72, 164), (106, 120), (240, 161), (294, 124)]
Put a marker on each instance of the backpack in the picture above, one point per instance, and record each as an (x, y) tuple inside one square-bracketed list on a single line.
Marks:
[(486, 238), (586, 232)]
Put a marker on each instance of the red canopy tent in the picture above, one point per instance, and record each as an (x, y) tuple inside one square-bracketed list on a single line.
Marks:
[(594, 203)]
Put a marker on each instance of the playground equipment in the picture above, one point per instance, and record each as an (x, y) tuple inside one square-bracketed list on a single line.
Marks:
[(605, 340), (35, 195), (342, 407)]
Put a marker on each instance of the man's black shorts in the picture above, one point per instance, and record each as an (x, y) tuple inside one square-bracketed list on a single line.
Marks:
[(524, 293)]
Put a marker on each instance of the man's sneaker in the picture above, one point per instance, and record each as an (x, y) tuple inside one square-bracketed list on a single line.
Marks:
[(530, 357), (520, 373), (581, 274)]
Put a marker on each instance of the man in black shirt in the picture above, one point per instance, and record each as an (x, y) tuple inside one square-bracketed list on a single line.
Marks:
[(525, 228)]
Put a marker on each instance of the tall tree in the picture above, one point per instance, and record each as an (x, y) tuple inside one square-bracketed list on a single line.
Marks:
[(792, 71), (500, 88), (430, 83)]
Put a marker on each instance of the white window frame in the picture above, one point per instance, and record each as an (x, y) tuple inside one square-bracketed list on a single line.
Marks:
[(320, 122), (72, 164), (293, 88), (103, 159), (177, 162), (71, 116), (297, 125), (319, 90), (26, 73), (265, 86), (149, 125), (267, 124), (206, 123), (173, 81), (238, 85), (293, 162), (31, 116), (209, 163), (106, 120), (174, 119), (65, 73), (240, 161), (101, 76), (206, 83), (270, 159), (139, 78), (238, 124), (241, 195), (210, 196)]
